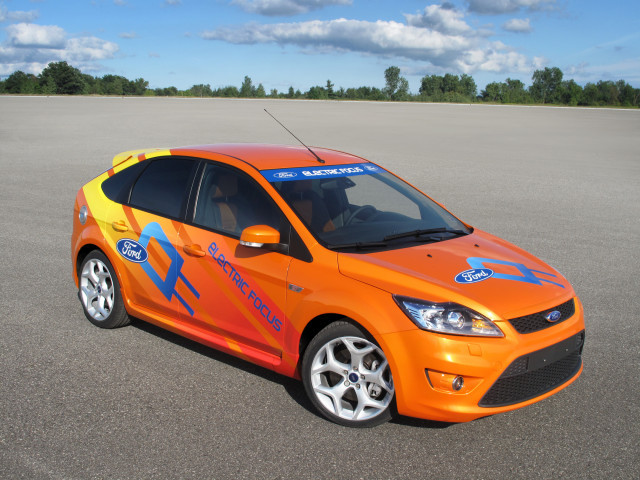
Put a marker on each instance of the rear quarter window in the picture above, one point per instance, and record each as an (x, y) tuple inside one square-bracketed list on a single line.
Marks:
[(164, 186), (118, 187)]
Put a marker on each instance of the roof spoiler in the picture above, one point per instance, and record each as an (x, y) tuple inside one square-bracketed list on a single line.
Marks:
[(124, 156)]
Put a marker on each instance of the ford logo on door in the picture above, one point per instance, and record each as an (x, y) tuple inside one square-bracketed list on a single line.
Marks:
[(474, 275), (132, 250)]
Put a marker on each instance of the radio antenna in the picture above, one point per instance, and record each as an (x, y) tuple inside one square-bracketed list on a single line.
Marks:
[(312, 152)]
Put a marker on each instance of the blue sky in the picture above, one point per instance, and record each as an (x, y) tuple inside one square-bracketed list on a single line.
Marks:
[(302, 43)]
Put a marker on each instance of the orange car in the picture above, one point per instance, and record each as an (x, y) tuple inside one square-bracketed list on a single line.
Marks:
[(324, 266)]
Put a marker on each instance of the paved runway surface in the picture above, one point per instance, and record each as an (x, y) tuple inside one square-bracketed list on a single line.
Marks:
[(80, 402)]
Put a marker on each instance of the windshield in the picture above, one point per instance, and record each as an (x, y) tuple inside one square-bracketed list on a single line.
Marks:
[(361, 205)]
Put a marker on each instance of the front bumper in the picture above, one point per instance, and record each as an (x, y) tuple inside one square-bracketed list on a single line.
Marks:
[(500, 374)]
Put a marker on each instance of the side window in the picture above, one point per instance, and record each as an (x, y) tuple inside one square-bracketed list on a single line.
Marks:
[(229, 201), (163, 187)]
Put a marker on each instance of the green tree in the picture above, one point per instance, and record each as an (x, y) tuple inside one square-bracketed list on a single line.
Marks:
[(20, 82), (260, 92), (396, 87), (627, 94), (431, 86), (607, 92), (291, 93), (402, 93), (247, 89), (493, 92), (589, 94), (317, 93), (329, 88), (467, 86), (514, 91), (392, 80), (48, 86), (166, 92), (450, 83), (113, 84), (546, 85), (200, 90), (229, 91), (93, 85), (140, 86), (68, 80), (570, 93)]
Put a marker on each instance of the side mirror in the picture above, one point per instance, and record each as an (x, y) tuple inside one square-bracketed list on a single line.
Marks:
[(257, 236)]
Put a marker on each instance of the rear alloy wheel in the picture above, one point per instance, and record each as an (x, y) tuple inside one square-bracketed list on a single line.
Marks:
[(99, 292), (347, 377)]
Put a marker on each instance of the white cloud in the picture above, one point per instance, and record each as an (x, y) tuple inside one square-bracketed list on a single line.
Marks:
[(518, 25), (461, 52), (85, 49), (441, 18), (285, 7), (172, 2), (38, 36), (18, 16), (128, 35), (507, 6), (31, 47), (628, 70), (494, 58)]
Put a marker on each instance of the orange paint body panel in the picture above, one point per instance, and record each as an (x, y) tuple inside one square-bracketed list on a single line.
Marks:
[(258, 303)]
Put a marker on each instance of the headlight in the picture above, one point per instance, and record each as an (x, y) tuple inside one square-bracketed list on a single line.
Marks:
[(449, 318)]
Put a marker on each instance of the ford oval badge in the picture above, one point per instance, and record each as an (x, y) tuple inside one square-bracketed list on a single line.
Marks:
[(285, 175), (132, 250), (474, 275), (553, 317)]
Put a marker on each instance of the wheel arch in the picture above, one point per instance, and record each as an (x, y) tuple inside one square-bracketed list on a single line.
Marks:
[(84, 251), (82, 254), (317, 324)]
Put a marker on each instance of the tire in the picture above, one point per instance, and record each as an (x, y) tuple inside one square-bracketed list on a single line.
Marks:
[(347, 377), (99, 292)]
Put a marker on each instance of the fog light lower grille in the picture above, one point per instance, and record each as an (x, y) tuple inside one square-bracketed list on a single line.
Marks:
[(537, 373)]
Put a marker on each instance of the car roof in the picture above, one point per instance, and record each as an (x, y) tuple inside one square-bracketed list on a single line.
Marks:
[(267, 156)]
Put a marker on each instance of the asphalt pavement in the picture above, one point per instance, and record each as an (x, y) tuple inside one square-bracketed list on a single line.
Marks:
[(79, 402)]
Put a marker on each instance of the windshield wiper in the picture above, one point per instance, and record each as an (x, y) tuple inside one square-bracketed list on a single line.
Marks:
[(358, 245), (426, 231)]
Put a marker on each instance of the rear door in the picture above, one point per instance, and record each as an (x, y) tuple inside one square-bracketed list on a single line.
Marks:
[(145, 231)]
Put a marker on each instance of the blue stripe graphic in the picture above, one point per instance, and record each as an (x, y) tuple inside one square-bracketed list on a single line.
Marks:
[(308, 173)]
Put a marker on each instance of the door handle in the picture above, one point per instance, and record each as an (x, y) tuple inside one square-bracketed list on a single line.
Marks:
[(194, 250), (120, 226)]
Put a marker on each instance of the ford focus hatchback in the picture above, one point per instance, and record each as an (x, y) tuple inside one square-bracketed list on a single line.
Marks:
[(326, 267)]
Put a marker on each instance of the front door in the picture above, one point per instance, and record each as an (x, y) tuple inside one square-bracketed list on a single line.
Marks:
[(242, 290)]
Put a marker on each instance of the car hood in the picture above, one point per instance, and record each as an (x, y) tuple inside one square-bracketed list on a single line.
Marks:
[(502, 281)]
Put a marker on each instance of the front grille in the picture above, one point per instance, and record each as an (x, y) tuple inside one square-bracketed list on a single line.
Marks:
[(537, 373), (537, 321)]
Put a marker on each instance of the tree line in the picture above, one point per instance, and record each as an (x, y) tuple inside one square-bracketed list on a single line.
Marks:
[(548, 87)]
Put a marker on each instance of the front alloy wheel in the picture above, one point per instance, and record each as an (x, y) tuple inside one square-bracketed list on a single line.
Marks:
[(347, 377), (99, 292)]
